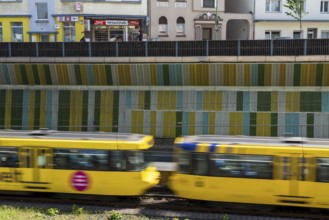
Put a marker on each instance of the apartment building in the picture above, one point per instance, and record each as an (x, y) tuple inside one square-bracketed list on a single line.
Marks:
[(72, 20), (200, 19), (272, 22)]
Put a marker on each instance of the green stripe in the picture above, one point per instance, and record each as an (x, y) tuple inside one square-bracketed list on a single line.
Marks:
[(108, 74), (17, 109), (47, 74), (239, 101), (147, 101), (97, 110), (310, 101), (261, 74), (264, 101), (77, 74), (310, 125), (64, 110), (2, 108), (35, 74), (115, 115), (297, 69), (274, 124), (85, 111), (319, 74), (179, 123), (166, 80), (37, 109), (23, 74), (253, 124)]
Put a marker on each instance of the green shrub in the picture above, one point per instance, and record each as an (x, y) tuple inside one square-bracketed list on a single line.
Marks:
[(76, 210), (115, 216), (225, 217), (52, 211)]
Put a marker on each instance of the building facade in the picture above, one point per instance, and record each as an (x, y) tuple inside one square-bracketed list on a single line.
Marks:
[(200, 19), (272, 22), (72, 20)]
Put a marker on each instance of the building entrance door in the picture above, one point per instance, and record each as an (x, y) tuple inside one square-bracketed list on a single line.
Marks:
[(206, 33)]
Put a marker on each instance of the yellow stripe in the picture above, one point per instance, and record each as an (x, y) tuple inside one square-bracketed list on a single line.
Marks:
[(268, 75), (263, 121), (137, 119), (325, 78), (29, 73), (236, 123), (76, 111), (211, 123), (30, 116), (41, 74), (124, 74), (202, 148), (282, 74), (246, 77), (141, 99), (43, 101), (153, 74), (83, 74), (169, 124), (18, 74), (292, 101), (191, 122), (8, 109)]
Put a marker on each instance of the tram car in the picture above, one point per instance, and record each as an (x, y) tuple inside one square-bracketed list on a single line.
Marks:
[(254, 170), (95, 163)]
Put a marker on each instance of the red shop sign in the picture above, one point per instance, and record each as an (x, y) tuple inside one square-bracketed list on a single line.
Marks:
[(133, 22), (99, 22)]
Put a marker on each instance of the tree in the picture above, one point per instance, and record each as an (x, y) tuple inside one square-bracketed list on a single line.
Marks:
[(296, 8)]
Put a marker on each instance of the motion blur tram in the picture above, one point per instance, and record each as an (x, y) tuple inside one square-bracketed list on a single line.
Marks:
[(96, 163), (257, 170)]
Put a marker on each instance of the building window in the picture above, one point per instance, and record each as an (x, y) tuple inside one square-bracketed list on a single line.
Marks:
[(273, 5), (163, 23), (324, 6), (44, 37), (1, 35), (272, 34), (297, 35), (180, 4), (208, 3), (325, 34), (17, 31), (42, 10), (162, 3), (180, 26), (69, 31)]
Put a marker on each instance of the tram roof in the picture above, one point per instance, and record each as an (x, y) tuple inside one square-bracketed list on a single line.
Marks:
[(71, 135), (214, 141)]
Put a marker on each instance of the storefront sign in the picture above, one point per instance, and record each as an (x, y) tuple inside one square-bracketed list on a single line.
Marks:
[(99, 22), (133, 22), (116, 22), (68, 18)]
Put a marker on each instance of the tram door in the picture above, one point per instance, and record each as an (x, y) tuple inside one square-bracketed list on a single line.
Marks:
[(34, 162), (295, 169)]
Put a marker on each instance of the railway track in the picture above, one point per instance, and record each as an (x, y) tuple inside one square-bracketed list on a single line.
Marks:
[(159, 203)]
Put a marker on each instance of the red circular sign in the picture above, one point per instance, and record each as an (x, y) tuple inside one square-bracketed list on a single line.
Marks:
[(80, 181)]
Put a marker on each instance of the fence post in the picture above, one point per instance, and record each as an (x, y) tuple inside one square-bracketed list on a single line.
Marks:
[(146, 49), (207, 48), (305, 47), (176, 52), (89, 48), (239, 47), (63, 49), (271, 48), (9, 49), (116, 49), (37, 48)]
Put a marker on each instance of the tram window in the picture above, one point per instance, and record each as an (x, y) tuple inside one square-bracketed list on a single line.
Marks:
[(135, 160), (200, 164), (241, 166), (117, 161), (322, 169), (8, 157), (184, 160), (74, 159)]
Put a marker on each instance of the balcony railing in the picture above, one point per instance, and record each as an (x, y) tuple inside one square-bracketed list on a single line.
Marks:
[(298, 47)]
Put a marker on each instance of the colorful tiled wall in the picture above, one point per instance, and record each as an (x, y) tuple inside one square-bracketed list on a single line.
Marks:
[(168, 100)]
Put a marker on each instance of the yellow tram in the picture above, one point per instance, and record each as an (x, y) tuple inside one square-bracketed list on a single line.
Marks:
[(257, 170), (97, 163)]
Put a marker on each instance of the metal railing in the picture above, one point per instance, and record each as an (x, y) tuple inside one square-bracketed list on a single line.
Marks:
[(292, 47)]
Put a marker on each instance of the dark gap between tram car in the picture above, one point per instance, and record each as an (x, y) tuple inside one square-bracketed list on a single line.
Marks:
[(95, 163)]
